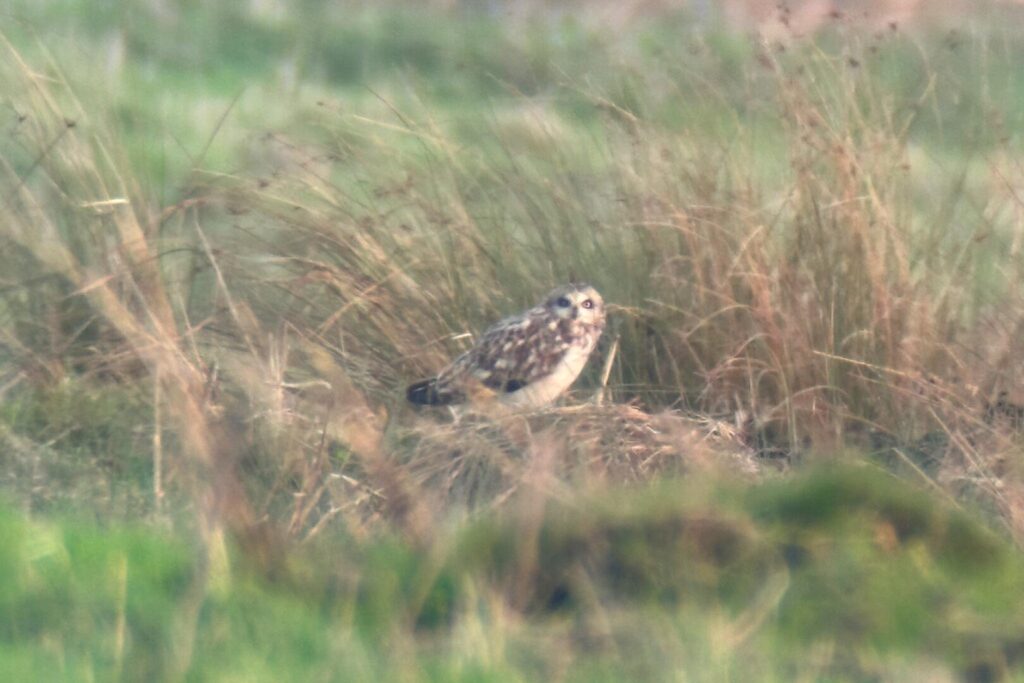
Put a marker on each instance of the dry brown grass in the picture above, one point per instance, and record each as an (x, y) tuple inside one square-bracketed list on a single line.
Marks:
[(277, 317)]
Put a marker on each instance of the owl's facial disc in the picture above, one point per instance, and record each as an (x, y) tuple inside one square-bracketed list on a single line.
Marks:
[(578, 302)]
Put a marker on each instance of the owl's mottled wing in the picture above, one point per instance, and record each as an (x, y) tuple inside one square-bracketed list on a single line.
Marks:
[(515, 353)]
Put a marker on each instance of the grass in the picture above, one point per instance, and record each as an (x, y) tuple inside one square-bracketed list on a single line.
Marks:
[(228, 249), (628, 589)]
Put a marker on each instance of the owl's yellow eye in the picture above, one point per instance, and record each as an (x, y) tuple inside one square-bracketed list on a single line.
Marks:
[(563, 302), (587, 303)]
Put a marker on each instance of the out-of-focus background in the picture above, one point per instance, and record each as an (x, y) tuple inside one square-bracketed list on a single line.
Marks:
[(231, 233)]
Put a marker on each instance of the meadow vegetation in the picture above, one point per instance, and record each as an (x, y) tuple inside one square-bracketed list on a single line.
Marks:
[(231, 233)]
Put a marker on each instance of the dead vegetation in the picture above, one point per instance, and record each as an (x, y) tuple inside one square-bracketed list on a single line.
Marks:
[(271, 319)]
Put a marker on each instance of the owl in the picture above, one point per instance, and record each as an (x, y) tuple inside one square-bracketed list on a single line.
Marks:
[(526, 360)]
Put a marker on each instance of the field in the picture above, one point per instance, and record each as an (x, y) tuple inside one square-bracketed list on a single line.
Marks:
[(232, 233)]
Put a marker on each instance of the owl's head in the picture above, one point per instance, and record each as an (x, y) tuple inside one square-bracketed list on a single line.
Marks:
[(576, 302)]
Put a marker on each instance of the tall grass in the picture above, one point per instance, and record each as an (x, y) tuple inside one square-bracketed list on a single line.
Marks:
[(798, 267), (824, 304)]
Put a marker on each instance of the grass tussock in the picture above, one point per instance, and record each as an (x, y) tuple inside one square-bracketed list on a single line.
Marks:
[(822, 306), (798, 269)]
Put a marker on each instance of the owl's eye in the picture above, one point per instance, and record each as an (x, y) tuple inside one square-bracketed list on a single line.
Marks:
[(563, 302), (587, 303)]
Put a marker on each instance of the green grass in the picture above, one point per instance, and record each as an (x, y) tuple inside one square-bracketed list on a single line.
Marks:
[(712, 581), (166, 80), (231, 233)]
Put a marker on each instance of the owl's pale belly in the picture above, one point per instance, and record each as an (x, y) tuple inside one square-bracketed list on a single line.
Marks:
[(547, 389)]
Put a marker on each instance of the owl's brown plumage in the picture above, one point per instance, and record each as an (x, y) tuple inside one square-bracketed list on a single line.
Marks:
[(525, 360)]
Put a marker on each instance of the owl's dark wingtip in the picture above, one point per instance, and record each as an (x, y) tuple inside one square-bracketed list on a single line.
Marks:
[(425, 393), (422, 393)]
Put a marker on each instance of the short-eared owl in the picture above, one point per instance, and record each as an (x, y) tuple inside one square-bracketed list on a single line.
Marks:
[(526, 360)]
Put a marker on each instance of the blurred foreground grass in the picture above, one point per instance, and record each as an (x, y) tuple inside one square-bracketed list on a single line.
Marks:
[(231, 233), (838, 574)]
